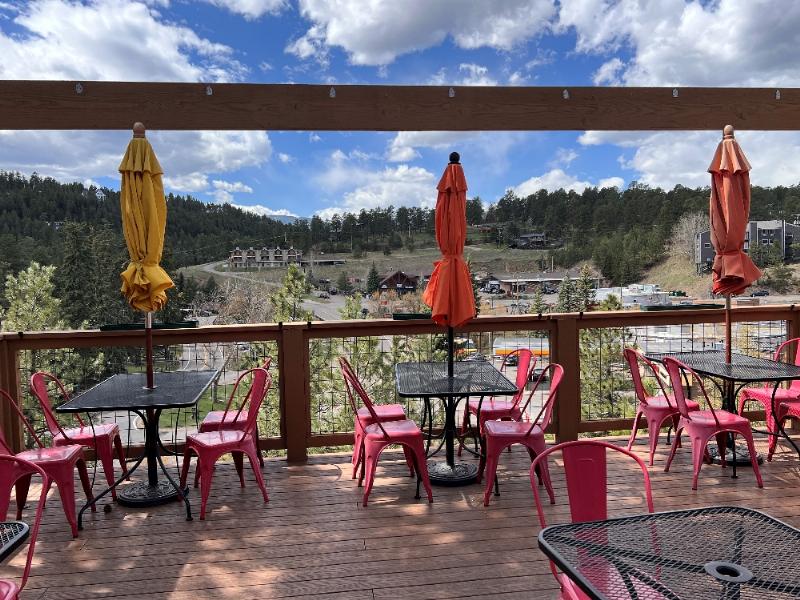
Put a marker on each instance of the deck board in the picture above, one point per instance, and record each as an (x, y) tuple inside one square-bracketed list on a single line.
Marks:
[(313, 540)]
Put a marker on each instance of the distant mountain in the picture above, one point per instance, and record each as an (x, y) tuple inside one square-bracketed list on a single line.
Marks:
[(263, 211)]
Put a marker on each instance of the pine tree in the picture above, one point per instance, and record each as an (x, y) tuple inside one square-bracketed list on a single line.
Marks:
[(373, 280), (32, 305), (566, 296), (538, 305), (584, 290), (287, 302), (343, 283)]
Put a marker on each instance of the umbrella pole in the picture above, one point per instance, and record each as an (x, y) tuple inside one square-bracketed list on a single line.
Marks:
[(727, 328), (450, 351), (148, 347)]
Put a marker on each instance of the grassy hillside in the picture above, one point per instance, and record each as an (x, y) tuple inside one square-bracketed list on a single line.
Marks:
[(678, 273)]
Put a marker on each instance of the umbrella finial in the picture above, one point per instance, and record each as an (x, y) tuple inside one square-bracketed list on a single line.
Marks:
[(727, 131), (138, 129), (455, 158)]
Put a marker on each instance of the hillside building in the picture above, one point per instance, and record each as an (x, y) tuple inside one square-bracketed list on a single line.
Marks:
[(254, 258), (765, 233)]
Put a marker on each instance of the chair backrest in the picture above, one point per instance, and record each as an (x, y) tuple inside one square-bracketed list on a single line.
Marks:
[(353, 385), (4, 447), (40, 388), (556, 374), (11, 470), (259, 386), (585, 468), (245, 400), (677, 371), (786, 347), (635, 359), (526, 362)]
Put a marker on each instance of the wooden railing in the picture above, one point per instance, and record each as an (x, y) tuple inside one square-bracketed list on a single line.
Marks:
[(294, 340)]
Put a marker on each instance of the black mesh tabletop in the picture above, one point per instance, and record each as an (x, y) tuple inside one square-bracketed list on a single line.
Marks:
[(470, 378), (175, 389), (12, 534), (716, 552), (742, 368)]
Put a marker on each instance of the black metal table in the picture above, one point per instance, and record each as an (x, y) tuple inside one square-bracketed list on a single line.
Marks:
[(720, 552), (428, 380), (741, 371), (176, 389), (12, 534)]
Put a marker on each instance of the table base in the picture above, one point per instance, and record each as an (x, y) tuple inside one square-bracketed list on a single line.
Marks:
[(742, 455), (144, 494), (440, 473)]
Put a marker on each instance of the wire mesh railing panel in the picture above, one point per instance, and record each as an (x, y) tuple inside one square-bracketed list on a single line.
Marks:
[(605, 381), (374, 358)]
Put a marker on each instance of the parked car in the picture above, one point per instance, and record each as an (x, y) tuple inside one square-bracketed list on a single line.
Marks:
[(323, 295), (333, 291), (760, 293)]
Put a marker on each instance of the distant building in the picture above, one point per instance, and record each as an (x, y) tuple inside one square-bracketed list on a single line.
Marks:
[(531, 240), (399, 282), (765, 233), (253, 258), (636, 294), (521, 283)]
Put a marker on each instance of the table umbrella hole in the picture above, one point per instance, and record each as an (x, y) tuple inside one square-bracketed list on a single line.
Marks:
[(728, 571)]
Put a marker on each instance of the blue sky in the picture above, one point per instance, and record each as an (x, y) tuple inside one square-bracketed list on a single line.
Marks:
[(439, 42)]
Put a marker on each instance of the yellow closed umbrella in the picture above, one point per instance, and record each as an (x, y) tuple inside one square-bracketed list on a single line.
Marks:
[(144, 219)]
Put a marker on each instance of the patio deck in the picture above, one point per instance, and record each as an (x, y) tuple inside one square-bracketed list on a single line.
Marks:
[(314, 540)]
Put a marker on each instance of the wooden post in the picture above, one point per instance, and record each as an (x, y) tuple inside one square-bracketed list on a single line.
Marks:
[(9, 381), (295, 377), (566, 348)]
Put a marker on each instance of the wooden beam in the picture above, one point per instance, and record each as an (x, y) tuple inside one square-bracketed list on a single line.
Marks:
[(220, 106)]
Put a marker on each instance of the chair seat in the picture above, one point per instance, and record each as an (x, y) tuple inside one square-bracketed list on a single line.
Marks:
[(725, 418), (513, 429), (219, 437), (663, 402), (395, 429), (387, 412), (764, 395), (8, 590), (491, 405), (789, 408), (219, 418), (66, 453), (87, 433)]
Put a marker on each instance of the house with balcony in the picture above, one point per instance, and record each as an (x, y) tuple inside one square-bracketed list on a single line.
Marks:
[(253, 258), (776, 233)]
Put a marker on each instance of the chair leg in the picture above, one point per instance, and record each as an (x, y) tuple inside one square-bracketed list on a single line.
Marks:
[(257, 473), (238, 460), (675, 441), (634, 430), (258, 447), (409, 460), (23, 484), (748, 436), (102, 447), (772, 426), (722, 448), (65, 483), (83, 472), (120, 454), (698, 453), (206, 465), (372, 452), (539, 446), (187, 459), (653, 429), (358, 451), (742, 401), (492, 458), (465, 425), (421, 462)]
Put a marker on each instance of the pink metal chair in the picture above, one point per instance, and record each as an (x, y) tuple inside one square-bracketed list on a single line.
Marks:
[(656, 409), (492, 409), (381, 434), (103, 437), (787, 400), (58, 462), (233, 418), (15, 471), (363, 419), (211, 445), (585, 469), (499, 435), (702, 425)]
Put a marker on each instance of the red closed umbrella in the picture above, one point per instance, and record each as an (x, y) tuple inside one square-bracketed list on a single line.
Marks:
[(729, 213), (449, 291)]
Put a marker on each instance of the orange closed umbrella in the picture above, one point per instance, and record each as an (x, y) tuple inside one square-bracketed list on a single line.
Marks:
[(449, 292), (729, 213)]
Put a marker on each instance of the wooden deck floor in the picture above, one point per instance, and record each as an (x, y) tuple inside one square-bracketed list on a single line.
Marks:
[(314, 540)]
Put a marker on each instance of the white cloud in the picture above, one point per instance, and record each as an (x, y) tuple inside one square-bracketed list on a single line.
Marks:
[(557, 179), (250, 9), (285, 158), (264, 211), (564, 157), (390, 28), (224, 190), (490, 148), (265, 66), (70, 40), (609, 72), (722, 43), (313, 137), (476, 75), (187, 157), (666, 158)]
